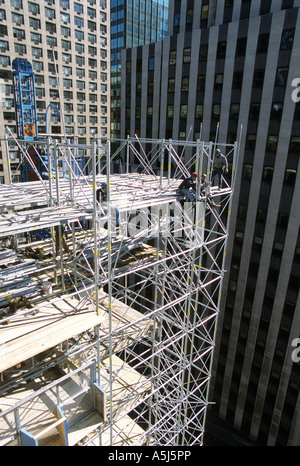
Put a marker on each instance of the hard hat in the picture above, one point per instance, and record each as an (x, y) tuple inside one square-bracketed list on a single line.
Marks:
[(193, 174), (104, 184), (218, 151)]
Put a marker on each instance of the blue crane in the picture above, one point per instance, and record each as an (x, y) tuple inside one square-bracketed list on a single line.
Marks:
[(25, 112)]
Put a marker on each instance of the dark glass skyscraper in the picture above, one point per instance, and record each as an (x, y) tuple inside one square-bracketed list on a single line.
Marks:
[(227, 65), (133, 23)]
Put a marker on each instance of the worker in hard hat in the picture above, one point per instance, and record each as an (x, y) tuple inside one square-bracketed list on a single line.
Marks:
[(188, 187), (220, 167), (101, 196), (205, 191)]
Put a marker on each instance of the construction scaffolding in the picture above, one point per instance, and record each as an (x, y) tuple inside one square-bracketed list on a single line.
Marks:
[(107, 332)]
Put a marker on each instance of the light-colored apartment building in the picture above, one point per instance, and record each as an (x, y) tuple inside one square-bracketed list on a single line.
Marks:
[(67, 43)]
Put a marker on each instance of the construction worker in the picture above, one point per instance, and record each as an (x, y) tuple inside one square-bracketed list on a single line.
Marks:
[(188, 187), (220, 166), (101, 196), (205, 191)]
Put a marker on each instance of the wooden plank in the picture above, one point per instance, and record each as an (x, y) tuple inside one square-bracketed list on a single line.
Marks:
[(81, 429), (100, 401), (25, 338)]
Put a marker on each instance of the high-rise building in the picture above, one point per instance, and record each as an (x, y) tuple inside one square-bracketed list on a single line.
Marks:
[(68, 46), (229, 70), (133, 23)]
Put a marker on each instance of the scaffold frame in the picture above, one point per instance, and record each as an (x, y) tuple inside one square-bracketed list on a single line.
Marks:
[(138, 301)]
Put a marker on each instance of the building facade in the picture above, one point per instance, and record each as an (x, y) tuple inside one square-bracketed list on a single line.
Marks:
[(133, 23), (68, 46), (227, 71)]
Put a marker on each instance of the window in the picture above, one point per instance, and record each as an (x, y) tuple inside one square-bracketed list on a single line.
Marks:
[(185, 84), (35, 37), (66, 57), (35, 23), (34, 8), (281, 76), (65, 17), (67, 70), (254, 111), (287, 39), (16, 3), (187, 55), (272, 143), (199, 111), (91, 12), (201, 83), (78, 8), (78, 21), (234, 111), (258, 78), (64, 3), (221, 50), (204, 12), (37, 66), (92, 51), (250, 141), (138, 89), (40, 92), (241, 46), (92, 38), (37, 52), (176, 19), (3, 30), (79, 60), (79, 48), (203, 52), (276, 111), (172, 57), (4, 61), (66, 32), (170, 111), (92, 74), (66, 45), (171, 85), (92, 26), (93, 64), (67, 83), (79, 35), (216, 111), (51, 28), (80, 85), (16, 18), (151, 64), (52, 81), (51, 41), (262, 43), (49, 13), (20, 48), (80, 73), (19, 34), (189, 16), (237, 80), (183, 111), (218, 81)]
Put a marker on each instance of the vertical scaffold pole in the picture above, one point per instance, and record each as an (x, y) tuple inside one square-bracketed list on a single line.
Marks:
[(95, 225), (109, 278)]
